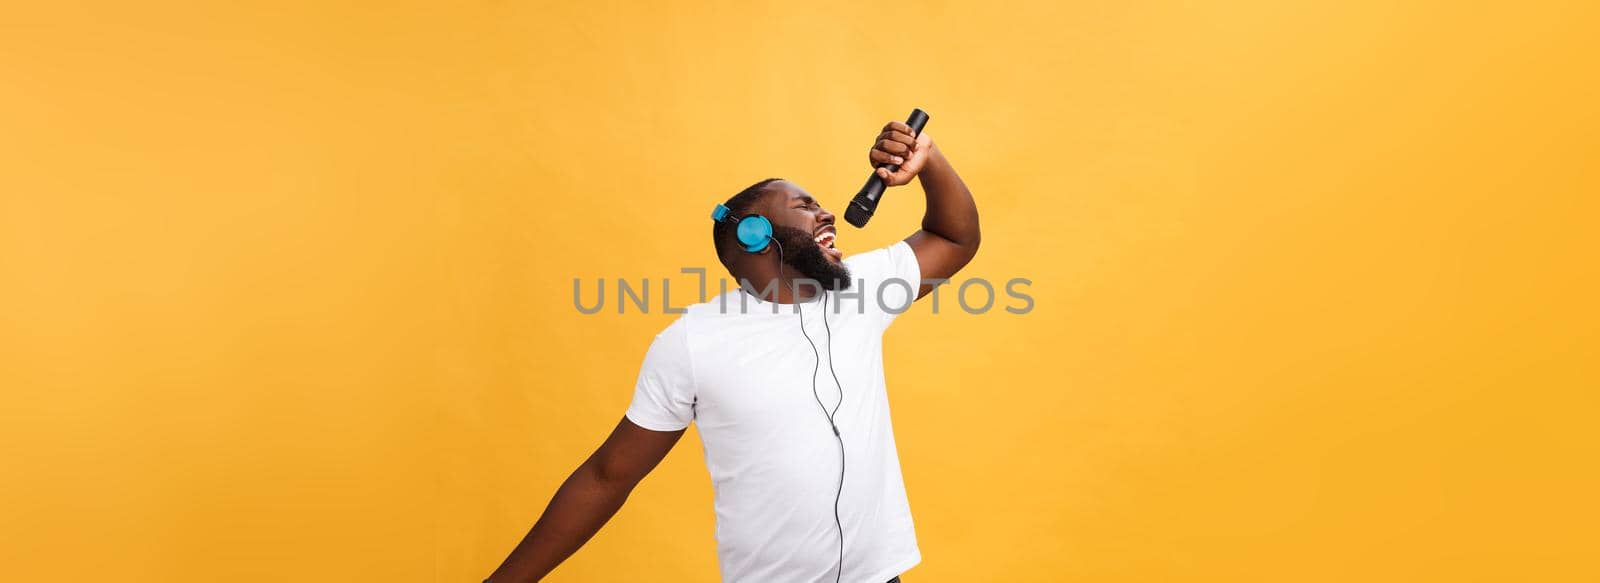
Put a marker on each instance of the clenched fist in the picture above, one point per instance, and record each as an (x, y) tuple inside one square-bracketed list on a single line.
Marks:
[(896, 145)]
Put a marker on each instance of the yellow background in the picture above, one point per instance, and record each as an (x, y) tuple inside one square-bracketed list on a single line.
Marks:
[(286, 287)]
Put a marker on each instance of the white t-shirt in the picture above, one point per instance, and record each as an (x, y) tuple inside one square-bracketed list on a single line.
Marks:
[(744, 374)]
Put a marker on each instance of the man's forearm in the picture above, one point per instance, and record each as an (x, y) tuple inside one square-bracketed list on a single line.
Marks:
[(951, 212), (579, 508)]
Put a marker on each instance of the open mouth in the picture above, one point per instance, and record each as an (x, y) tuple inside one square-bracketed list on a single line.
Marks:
[(825, 240)]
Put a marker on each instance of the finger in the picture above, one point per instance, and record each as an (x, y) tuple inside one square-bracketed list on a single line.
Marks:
[(901, 137), (893, 147), (892, 178), (882, 157), (899, 127)]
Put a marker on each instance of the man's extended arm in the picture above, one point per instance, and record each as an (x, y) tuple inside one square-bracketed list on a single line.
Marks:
[(589, 497), (949, 236)]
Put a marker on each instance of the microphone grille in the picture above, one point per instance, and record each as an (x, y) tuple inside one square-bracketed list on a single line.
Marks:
[(855, 215)]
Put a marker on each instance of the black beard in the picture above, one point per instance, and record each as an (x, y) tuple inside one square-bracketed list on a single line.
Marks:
[(800, 251)]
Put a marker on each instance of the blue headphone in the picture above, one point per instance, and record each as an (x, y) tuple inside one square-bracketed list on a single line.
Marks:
[(754, 231)]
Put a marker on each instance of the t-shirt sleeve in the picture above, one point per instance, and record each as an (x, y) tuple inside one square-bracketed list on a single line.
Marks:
[(664, 395), (889, 279)]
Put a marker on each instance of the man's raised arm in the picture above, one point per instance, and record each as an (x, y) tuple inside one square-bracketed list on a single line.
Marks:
[(949, 236), (589, 497)]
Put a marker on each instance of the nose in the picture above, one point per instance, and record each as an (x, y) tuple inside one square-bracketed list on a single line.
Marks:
[(824, 216)]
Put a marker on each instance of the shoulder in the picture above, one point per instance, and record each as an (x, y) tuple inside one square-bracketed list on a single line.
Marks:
[(894, 264), (881, 263), (884, 280), (674, 338)]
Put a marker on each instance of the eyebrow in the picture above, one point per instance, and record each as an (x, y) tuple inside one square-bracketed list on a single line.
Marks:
[(806, 199)]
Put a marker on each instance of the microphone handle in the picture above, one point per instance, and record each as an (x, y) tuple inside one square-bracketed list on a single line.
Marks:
[(865, 203)]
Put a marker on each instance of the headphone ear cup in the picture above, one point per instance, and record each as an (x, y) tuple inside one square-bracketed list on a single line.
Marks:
[(755, 232)]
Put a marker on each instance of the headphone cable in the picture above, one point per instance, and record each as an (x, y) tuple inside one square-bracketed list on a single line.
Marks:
[(816, 368)]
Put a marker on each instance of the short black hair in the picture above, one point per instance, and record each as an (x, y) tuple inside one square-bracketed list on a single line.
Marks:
[(724, 233)]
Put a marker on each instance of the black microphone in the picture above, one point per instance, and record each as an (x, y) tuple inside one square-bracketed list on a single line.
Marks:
[(866, 202)]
